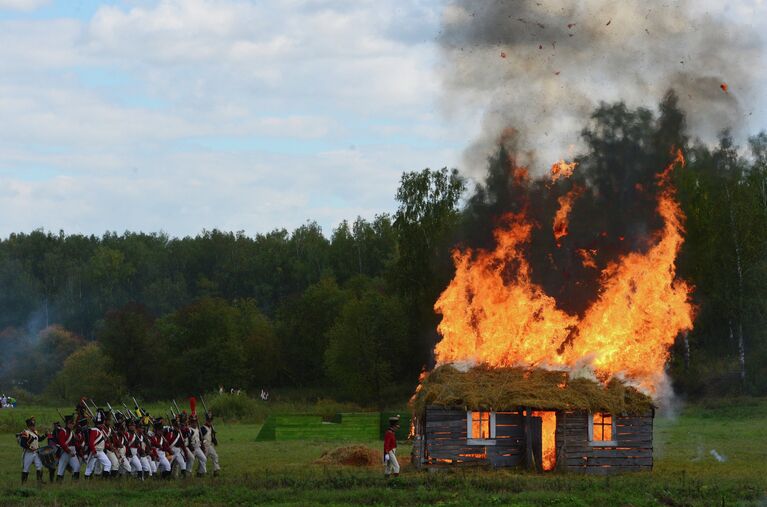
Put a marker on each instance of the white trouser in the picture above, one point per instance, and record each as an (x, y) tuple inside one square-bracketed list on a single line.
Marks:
[(179, 455), (392, 466), (98, 457), (123, 460), (189, 457), (163, 465), (135, 462), (200, 456), (29, 457), (211, 453), (113, 460), (68, 460), (146, 464)]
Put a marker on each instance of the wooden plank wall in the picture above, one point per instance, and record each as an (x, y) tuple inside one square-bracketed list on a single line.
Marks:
[(444, 432), (633, 452)]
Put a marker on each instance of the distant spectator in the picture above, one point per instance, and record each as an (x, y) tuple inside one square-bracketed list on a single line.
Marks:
[(220, 389)]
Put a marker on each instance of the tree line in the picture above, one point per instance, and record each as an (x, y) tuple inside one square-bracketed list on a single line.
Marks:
[(351, 313)]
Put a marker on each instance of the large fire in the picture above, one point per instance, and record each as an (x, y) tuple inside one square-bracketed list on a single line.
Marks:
[(493, 313)]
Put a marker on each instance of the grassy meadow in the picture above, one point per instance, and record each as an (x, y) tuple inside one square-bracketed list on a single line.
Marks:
[(282, 473)]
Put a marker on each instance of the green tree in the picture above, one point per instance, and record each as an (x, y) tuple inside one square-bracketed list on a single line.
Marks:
[(367, 347), (87, 372), (425, 224), (127, 337), (302, 326)]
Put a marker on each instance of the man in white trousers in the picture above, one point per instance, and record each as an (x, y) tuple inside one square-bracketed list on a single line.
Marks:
[(391, 466), (132, 443), (177, 446), (29, 440), (65, 438), (96, 443), (195, 448), (209, 442), (160, 446)]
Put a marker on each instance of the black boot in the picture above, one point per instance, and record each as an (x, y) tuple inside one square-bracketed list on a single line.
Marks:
[(40, 476), (105, 475), (60, 478), (115, 473), (200, 474), (166, 475), (24, 476), (215, 473), (51, 474), (87, 477), (183, 472), (76, 476)]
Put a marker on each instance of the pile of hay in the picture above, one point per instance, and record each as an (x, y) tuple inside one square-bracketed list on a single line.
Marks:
[(500, 389), (352, 455)]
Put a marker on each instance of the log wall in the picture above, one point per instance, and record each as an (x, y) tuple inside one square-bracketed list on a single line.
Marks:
[(444, 440), (441, 441), (633, 452)]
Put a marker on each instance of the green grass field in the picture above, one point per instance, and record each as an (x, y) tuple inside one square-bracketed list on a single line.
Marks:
[(282, 473)]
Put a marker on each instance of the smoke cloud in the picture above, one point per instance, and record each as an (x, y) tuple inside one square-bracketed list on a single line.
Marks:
[(541, 66)]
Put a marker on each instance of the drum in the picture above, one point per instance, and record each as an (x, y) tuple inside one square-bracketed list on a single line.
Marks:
[(48, 456)]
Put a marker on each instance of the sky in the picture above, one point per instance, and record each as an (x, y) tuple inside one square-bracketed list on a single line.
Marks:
[(181, 115)]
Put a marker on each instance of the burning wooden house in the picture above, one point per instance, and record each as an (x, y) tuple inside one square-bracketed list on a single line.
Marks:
[(539, 419)]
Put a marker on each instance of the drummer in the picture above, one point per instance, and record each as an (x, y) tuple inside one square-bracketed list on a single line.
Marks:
[(29, 440)]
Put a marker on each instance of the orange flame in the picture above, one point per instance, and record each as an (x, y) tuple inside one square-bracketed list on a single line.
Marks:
[(548, 436), (493, 313), (587, 258), (562, 217), (562, 169)]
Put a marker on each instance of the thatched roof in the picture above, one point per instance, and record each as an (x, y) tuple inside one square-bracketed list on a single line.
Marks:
[(498, 389)]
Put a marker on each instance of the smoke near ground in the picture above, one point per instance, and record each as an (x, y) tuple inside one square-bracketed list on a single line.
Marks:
[(541, 66)]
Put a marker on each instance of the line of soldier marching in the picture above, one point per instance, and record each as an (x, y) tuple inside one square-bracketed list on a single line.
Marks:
[(112, 443)]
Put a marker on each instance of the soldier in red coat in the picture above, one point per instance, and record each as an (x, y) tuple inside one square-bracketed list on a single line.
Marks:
[(391, 466), (66, 440), (97, 441), (161, 447)]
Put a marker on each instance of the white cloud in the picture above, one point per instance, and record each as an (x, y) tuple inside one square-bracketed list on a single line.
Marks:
[(22, 5), (183, 115)]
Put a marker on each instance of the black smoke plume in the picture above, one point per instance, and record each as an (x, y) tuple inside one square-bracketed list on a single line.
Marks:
[(542, 66)]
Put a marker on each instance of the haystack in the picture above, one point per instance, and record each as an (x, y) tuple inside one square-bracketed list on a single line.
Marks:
[(351, 455)]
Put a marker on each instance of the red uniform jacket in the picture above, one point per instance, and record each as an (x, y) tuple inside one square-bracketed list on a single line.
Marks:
[(118, 440), (80, 444), (175, 439), (64, 438), (390, 441), (95, 436), (132, 442)]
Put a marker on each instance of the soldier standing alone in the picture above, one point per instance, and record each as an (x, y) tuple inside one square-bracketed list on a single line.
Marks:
[(391, 466)]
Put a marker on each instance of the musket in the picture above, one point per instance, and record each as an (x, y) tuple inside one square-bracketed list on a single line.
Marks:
[(138, 408), (114, 416), (129, 414), (204, 406), (88, 409), (172, 412), (62, 417), (177, 409)]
